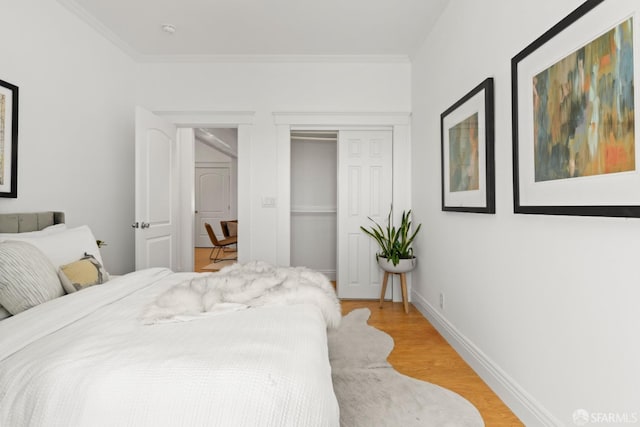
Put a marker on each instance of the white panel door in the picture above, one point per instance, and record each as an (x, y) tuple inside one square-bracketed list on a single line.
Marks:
[(365, 162), (156, 191), (213, 202)]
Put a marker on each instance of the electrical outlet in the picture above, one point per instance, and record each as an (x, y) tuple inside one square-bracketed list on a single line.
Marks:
[(441, 301)]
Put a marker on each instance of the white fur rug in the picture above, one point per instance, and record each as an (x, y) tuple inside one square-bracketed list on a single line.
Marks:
[(247, 285), (373, 394)]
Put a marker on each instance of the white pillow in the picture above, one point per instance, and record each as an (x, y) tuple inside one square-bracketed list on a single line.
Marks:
[(27, 277), (65, 246), (52, 229)]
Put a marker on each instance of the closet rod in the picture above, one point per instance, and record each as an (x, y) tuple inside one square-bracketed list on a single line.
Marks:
[(315, 138), (314, 132)]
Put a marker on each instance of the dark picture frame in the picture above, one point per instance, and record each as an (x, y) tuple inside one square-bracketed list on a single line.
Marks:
[(574, 145), (8, 140), (467, 131)]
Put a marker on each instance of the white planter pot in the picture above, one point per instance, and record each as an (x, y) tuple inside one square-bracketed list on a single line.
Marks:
[(404, 265)]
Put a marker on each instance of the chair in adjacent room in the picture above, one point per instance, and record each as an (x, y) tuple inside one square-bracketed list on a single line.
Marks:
[(219, 245), (229, 228)]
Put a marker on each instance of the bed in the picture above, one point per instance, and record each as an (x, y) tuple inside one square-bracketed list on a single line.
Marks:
[(243, 347)]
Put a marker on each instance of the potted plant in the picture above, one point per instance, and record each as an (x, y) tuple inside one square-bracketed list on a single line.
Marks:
[(396, 253)]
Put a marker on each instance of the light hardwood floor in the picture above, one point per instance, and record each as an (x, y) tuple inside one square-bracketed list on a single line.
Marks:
[(421, 352)]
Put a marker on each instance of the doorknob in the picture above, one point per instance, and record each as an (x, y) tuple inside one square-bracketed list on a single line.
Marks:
[(196, 211), (135, 225), (145, 225)]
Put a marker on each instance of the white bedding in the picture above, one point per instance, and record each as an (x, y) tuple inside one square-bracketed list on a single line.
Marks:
[(87, 359)]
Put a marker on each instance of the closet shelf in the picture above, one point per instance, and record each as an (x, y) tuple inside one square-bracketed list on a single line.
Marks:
[(301, 210)]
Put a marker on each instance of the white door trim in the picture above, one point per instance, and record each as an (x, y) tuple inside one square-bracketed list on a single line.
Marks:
[(243, 121), (204, 119), (315, 119), (399, 122)]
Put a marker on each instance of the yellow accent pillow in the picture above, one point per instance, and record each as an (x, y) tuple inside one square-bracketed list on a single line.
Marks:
[(81, 274)]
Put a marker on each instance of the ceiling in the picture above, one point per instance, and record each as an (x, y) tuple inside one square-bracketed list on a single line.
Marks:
[(224, 140), (262, 27)]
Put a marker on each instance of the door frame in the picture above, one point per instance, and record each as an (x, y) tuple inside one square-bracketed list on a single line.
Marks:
[(398, 122), (186, 121)]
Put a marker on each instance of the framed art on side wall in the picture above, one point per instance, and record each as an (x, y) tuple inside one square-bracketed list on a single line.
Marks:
[(467, 140), (8, 140), (574, 113)]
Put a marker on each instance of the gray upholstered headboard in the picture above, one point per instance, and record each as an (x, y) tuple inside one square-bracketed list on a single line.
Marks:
[(33, 221)]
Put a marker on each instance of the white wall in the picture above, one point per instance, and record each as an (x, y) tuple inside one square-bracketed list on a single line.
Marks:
[(547, 304), (76, 122), (266, 88)]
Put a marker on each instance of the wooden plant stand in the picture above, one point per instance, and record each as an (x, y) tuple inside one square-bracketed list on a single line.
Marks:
[(403, 286)]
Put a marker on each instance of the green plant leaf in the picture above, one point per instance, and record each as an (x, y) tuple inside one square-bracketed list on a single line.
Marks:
[(394, 243)]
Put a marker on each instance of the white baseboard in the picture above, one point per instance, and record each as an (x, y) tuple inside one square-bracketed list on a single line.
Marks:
[(525, 406), (331, 274)]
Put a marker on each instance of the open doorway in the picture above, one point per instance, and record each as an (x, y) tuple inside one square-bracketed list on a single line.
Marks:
[(215, 192)]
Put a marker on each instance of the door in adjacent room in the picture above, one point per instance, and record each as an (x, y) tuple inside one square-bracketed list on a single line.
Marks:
[(213, 202)]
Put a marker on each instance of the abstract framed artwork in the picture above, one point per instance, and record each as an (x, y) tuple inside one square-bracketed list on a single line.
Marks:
[(467, 141), (8, 140), (574, 111)]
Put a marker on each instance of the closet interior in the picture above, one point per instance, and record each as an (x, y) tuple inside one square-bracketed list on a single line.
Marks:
[(314, 180)]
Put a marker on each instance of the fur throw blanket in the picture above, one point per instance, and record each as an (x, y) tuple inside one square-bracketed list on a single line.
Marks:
[(253, 284)]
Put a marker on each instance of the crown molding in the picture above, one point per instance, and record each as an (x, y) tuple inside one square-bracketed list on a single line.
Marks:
[(98, 26), (275, 58)]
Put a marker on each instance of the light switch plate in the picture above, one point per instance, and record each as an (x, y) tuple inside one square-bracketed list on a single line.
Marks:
[(268, 202)]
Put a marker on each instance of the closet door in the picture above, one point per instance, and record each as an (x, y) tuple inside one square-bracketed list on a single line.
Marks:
[(365, 162)]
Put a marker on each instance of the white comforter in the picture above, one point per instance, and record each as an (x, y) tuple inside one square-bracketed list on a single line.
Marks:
[(87, 359)]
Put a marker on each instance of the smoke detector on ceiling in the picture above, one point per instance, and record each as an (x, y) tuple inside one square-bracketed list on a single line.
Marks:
[(169, 28)]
